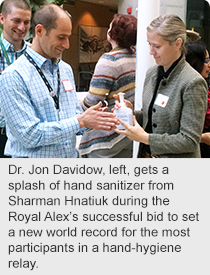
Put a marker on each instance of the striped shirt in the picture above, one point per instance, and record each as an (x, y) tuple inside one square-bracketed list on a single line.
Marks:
[(114, 73), (35, 128)]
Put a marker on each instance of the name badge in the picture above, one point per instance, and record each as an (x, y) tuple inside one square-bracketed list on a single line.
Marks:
[(68, 86), (161, 100)]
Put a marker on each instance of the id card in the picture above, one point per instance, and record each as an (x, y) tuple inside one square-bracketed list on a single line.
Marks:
[(68, 86), (161, 100)]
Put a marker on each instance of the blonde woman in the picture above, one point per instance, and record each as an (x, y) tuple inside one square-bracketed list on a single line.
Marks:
[(171, 121)]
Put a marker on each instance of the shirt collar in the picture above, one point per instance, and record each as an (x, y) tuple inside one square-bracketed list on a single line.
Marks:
[(164, 74), (8, 45), (39, 59), (116, 49)]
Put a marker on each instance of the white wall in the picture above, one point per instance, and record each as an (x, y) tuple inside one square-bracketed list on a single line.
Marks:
[(147, 11)]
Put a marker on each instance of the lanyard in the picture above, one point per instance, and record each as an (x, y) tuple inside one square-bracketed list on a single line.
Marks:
[(5, 52), (52, 94)]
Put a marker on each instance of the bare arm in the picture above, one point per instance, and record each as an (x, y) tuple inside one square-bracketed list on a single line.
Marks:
[(205, 138)]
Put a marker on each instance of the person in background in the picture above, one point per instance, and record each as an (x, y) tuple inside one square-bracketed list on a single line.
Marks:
[(114, 73), (198, 57), (192, 36), (174, 97), (40, 104), (15, 18)]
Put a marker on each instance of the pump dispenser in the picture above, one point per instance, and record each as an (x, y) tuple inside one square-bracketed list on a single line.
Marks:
[(125, 113)]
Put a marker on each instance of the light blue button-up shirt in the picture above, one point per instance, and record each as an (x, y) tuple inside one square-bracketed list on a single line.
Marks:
[(35, 128), (12, 55)]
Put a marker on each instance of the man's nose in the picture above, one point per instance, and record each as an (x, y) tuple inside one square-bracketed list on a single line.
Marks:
[(66, 43), (21, 26)]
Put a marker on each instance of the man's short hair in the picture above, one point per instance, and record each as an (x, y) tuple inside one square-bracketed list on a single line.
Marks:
[(7, 6), (46, 16)]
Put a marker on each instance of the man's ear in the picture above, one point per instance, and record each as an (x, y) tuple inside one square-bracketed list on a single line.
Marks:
[(39, 29), (1, 19)]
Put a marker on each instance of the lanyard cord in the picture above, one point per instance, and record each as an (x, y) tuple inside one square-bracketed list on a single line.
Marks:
[(5, 52), (52, 94)]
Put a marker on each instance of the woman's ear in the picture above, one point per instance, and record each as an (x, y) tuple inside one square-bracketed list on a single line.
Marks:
[(179, 43)]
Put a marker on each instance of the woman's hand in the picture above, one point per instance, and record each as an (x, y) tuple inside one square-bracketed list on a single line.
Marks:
[(135, 132), (117, 103)]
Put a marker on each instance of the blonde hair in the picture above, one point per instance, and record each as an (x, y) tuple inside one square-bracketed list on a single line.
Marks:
[(170, 27)]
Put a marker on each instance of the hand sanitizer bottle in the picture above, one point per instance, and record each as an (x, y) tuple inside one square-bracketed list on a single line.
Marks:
[(125, 113)]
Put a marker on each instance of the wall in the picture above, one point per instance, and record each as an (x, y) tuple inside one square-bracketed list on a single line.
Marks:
[(84, 14), (124, 4), (178, 7)]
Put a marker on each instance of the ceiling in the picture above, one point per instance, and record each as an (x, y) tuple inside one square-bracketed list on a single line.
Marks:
[(113, 4)]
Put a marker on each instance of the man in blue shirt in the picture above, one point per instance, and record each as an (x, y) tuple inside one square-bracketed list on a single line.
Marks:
[(38, 96), (15, 18)]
